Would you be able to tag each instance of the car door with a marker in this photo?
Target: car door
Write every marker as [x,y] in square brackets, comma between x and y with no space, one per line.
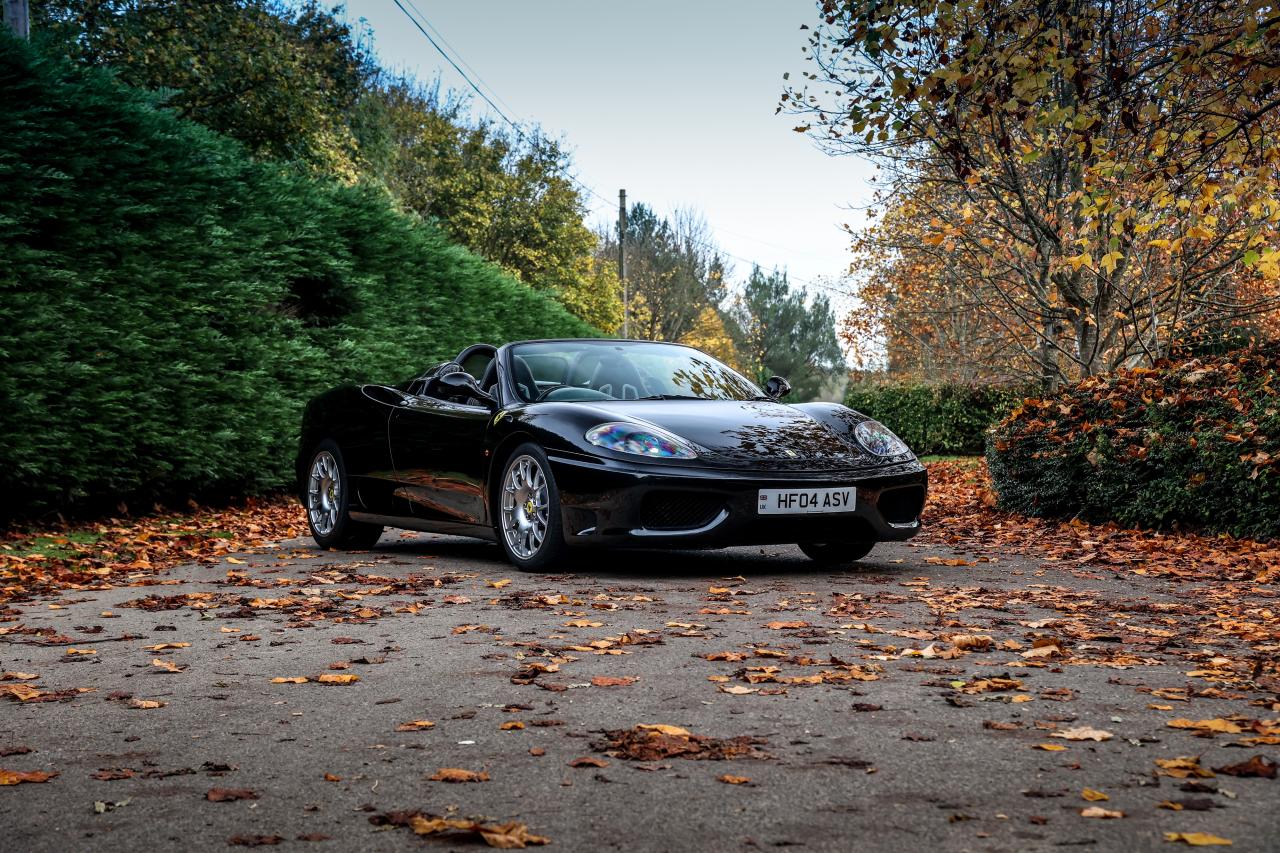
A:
[437,447]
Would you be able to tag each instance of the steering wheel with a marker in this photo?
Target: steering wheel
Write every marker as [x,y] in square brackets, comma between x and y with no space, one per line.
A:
[544,394]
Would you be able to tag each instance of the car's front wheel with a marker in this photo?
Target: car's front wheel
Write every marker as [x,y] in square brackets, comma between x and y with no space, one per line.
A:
[327,497]
[836,552]
[529,525]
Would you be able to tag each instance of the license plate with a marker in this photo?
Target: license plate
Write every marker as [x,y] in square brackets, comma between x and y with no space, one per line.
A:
[804,501]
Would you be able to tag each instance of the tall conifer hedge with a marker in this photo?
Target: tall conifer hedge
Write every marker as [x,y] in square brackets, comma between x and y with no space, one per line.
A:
[168,304]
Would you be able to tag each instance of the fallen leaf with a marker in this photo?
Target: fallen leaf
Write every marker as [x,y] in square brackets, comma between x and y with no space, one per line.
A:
[588,761]
[1258,767]
[611,681]
[145,704]
[782,626]
[1217,726]
[254,840]
[415,726]
[294,679]
[457,774]
[1049,747]
[18,777]
[1182,767]
[499,584]
[229,795]
[159,647]
[1083,733]
[511,725]
[167,665]
[73,652]
[734,780]
[1198,839]
[1099,811]
[21,692]
[334,678]
[1094,796]
[506,836]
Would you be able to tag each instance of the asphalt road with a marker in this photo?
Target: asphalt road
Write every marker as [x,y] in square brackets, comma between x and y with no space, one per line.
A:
[901,745]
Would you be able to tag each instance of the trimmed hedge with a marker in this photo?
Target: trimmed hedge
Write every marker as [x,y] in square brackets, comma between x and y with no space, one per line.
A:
[168,304]
[1195,443]
[936,419]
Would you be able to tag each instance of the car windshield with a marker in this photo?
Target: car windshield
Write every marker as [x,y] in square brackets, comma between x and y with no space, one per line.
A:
[623,370]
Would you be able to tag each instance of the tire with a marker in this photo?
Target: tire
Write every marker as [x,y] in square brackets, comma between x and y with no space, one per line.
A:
[528,522]
[835,553]
[326,496]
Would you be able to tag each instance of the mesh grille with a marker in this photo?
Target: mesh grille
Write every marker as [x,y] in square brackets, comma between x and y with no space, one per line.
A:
[668,510]
[900,506]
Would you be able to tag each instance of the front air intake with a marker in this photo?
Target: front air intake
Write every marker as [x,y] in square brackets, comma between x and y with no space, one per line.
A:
[671,510]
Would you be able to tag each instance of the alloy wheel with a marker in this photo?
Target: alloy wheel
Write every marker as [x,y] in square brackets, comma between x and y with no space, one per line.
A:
[324,493]
[525,504]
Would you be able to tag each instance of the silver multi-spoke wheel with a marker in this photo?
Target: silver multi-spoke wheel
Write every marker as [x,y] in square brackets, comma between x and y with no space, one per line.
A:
[525,506]
[324,493]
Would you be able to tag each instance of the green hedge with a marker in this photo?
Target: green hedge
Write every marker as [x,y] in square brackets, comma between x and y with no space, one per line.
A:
[936,419]
[168,304]
[1194,444]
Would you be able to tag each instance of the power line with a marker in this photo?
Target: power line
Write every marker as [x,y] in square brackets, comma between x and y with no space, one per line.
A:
[520,133]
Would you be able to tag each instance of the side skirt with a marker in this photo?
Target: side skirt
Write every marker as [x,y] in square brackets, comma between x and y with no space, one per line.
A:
[452,528]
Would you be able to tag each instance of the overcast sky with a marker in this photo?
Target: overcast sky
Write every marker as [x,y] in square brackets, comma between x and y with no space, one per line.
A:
[672,99]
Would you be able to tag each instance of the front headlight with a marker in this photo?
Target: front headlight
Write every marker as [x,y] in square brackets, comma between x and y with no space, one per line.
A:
[878,439]
[641,440]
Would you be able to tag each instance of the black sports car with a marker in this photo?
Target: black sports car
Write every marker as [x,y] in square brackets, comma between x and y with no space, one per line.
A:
[547,445]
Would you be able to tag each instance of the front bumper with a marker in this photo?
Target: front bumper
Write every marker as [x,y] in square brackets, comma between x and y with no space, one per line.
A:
[647,505]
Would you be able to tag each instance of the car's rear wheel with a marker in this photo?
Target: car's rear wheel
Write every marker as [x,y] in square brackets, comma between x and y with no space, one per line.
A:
[327,497]
[529,525]
[834,553]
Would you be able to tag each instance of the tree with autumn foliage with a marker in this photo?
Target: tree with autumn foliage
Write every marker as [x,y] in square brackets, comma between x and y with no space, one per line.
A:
[1069,188]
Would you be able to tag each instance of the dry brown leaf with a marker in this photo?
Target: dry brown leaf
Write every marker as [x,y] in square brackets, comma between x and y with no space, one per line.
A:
[18,777]
[1099,811]
[588,761]
[1197,839]
[457,774]
[335,678]
[1217,726]
[1083,733]
[415,726]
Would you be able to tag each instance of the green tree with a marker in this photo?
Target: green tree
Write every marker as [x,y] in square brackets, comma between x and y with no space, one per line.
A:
[674,271]
[783,332]
[286,79]
[168,303]
[505,195]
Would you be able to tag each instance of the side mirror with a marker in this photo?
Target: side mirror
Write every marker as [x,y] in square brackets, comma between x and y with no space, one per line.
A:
[777,387]
[458,387]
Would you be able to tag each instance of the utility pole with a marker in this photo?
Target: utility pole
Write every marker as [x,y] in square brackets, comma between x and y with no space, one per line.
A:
[18,17]
[622,263]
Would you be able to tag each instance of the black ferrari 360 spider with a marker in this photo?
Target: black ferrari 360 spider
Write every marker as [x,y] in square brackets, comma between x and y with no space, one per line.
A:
[550,445]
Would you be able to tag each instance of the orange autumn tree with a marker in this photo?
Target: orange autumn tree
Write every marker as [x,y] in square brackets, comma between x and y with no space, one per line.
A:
[1068,188]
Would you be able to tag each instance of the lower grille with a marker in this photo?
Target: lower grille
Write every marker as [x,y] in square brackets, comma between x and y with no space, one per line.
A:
[668,510]
[902,505]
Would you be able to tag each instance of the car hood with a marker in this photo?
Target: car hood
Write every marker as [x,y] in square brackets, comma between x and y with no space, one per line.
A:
[763,434]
